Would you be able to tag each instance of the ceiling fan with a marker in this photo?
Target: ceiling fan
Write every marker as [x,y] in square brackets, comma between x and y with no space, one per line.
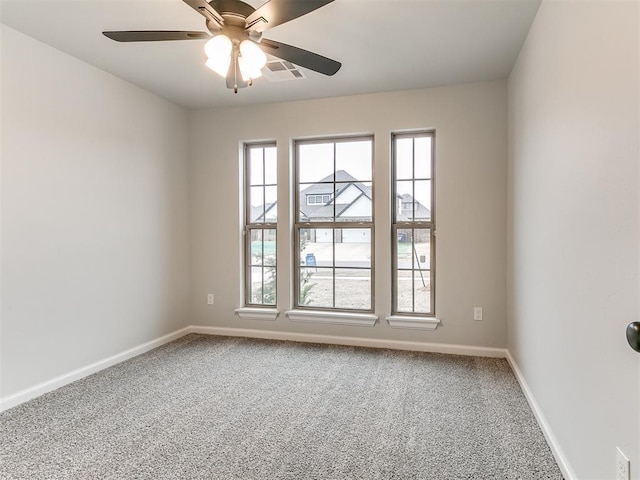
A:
[236,49]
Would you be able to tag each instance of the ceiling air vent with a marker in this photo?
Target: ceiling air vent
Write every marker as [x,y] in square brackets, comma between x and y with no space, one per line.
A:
[281,70]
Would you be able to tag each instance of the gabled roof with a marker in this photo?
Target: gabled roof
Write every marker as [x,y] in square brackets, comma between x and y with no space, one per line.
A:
[325,185]
[256,212]
[420,212]
[325,211]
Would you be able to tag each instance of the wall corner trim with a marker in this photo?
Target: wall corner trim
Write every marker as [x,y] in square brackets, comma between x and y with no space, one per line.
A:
[558,454]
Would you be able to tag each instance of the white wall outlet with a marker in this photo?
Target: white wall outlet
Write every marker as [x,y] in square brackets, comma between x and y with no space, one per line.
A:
[477,313]
[210,299]
[622,466]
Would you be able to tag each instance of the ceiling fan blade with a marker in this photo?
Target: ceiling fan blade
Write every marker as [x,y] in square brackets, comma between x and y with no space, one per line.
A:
[301,57]
[277,12]
[206,10]
[154,35]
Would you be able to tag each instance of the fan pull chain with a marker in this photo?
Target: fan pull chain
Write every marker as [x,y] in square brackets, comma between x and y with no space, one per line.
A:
[235,70]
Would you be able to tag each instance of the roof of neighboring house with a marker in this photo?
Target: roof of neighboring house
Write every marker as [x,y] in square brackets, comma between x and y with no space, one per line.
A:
[256,212]
[324,186]
[322,211]
[421,210]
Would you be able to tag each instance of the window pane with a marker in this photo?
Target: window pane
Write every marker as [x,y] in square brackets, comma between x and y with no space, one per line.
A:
[270,166]
[353,159]
[312,208]
[413,291]
[256,204]
[423,157]
[353,247]
[404,158]
[316,247]
[269,246]
[404,248]
[404,290]
[271,209]
[423,200]
[315,287]
[421,254]
[404,201]
[256,246]
[262,262]
[422,291]
[269,285]
[256,285]
[353,202]
[353,288]
[271,215]
[315,162]
[256,166]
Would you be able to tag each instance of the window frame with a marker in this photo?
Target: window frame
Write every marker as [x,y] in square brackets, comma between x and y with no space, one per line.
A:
[249,225]
[299,224]
[412,224]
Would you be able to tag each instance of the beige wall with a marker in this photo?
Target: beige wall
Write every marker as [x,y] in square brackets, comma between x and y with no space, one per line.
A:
[573,227]
[94,215]
[471,150]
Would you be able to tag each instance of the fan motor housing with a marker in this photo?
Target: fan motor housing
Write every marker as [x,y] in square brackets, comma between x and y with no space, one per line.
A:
[232,8]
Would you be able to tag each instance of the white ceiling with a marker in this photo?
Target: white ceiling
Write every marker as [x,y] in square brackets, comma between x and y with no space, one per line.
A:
[383,45]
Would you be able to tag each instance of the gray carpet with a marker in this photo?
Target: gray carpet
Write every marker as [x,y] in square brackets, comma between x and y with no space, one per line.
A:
[205,407]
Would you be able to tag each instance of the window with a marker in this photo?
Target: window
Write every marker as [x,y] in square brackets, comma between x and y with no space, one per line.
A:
[413,223]
[333,226]
[260,224]
[318,199]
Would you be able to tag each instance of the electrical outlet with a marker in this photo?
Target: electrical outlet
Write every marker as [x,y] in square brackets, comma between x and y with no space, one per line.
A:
[210,299]
[622,466]
[477,313]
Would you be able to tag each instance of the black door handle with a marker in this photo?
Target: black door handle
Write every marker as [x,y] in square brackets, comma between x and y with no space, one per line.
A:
[633,335]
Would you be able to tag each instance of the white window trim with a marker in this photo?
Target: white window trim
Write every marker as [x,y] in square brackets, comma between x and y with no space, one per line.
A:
[248,313]
[415,323]
[332,317]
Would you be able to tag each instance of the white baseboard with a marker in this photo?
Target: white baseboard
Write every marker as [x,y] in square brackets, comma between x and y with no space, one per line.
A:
[57,382]
[354,341]
[65,379]
[561,459]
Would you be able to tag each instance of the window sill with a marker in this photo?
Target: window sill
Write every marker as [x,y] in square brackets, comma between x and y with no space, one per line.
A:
[248,313]
[336,318]
[416,323]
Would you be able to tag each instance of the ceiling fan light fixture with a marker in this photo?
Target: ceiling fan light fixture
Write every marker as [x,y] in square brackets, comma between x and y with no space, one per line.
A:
[235,48]
[218,51]
[251,60]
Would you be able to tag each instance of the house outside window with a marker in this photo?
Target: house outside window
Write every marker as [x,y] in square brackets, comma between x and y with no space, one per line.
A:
[413,228]
[261,215]
[334,232]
